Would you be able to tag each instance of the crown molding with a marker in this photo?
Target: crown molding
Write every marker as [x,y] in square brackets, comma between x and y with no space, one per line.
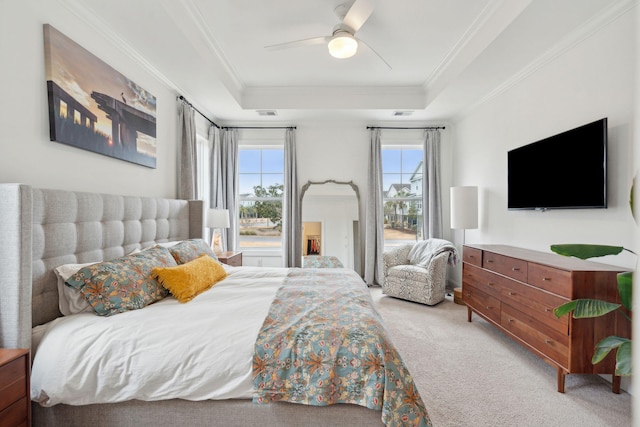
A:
[600,20]
[212,44]
[466,38]
[87,16]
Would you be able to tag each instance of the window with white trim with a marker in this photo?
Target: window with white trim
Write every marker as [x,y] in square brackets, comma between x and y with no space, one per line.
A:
[402,194]
[261,182]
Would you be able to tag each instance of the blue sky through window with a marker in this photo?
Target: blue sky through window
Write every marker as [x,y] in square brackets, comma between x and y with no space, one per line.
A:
[399,165]
[263,167]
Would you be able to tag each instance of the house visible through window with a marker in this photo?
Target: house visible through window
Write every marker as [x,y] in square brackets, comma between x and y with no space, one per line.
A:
[261,181]
[402,187]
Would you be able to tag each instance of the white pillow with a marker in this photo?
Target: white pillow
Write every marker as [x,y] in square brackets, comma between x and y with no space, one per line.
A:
[70,300]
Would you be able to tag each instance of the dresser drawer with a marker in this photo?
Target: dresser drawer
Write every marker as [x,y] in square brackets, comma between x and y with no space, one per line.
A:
[472,255]
[15,414]
[536,304]
[527,329]
[13,384]
[481,302]
[551,279]
[484,280]
[511,267]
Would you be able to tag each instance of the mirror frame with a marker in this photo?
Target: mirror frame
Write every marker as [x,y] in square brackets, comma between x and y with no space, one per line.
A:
[357,245]
[329,181]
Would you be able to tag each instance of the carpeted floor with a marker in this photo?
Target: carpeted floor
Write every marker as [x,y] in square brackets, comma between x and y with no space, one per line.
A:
[470,374]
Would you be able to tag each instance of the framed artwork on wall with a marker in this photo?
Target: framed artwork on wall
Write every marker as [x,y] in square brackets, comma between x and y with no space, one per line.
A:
[94,107]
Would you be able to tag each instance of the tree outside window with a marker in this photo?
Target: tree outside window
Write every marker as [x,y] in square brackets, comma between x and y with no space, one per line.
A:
[402,186]
[261,180]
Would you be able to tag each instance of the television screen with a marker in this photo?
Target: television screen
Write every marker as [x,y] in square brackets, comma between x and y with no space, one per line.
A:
[564,171]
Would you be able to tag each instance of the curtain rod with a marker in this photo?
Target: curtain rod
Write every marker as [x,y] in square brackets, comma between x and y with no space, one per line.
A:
[425,128]
[259,127]
[181,98]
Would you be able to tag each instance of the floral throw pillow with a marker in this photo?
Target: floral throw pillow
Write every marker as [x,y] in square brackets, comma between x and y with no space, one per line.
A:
[188,250]
[123,284]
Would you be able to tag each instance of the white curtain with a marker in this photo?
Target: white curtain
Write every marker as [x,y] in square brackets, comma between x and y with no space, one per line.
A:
[188,173]
[224,181]
[374,231]
[291,222]
[431,194]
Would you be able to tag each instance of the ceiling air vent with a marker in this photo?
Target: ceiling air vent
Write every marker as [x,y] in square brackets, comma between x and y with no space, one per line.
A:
[402,113]
[267,113]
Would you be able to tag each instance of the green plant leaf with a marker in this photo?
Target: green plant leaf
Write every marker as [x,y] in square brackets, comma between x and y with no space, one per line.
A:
[625,288]
[605,346]
[623,353]
[586,251]
[633,184]
[583,308]
[623,359]
[565,308]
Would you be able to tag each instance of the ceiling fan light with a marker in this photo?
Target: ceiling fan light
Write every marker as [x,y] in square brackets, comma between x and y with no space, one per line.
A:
[342,46]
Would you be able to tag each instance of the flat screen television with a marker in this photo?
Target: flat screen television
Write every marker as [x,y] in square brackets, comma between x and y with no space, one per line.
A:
[564,171]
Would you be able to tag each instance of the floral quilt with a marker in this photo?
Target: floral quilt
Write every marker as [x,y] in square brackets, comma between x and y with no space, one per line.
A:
[323,343]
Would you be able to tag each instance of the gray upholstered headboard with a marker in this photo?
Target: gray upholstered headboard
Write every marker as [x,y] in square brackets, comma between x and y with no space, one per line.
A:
[41,229]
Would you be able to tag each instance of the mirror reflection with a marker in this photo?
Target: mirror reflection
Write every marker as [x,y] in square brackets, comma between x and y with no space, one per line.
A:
[330,223]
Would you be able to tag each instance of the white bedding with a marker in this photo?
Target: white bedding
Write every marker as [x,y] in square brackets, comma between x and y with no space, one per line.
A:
[195,351]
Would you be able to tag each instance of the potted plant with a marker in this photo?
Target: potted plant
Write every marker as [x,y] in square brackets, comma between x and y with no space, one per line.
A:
[583,308]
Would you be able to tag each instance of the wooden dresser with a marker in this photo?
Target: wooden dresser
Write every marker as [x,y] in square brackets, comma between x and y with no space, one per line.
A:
[15,400]
[517,289]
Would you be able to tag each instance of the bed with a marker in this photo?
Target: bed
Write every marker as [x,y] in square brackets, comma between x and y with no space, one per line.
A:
[44,229]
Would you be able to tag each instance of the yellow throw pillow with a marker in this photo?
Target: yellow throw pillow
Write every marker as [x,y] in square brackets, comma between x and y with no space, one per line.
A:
[190,279]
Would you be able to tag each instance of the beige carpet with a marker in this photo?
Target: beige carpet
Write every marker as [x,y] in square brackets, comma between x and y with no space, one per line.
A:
[470,374]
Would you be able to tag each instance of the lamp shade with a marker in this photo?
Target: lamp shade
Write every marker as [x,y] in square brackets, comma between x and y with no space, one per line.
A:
[464,207]
[218,218]
[342,45]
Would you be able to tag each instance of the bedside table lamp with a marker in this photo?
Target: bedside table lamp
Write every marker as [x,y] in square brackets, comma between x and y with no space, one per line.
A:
[217,218]
[464,208]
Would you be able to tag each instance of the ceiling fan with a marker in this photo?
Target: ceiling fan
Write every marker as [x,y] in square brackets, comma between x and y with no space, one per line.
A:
[342,42]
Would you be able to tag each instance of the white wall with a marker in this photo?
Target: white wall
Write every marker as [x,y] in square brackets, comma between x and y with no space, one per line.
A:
[593,79]
[27,154]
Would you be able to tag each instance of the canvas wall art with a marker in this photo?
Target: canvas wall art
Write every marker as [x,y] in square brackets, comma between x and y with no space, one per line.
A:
[94,107]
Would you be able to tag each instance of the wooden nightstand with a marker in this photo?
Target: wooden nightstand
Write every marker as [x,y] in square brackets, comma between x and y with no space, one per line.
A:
[15,399]
[230,258]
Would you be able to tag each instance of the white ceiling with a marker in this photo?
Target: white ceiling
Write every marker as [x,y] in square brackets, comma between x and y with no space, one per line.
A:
[447,56]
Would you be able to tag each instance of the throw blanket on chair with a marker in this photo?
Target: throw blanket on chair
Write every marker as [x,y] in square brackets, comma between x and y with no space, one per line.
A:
[323,343]
[425,250]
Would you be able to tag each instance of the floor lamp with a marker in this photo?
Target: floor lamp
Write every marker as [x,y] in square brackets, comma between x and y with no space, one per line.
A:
[464,208]
[217,219]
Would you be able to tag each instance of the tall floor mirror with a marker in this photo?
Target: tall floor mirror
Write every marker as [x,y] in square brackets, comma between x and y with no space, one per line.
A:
[331,221]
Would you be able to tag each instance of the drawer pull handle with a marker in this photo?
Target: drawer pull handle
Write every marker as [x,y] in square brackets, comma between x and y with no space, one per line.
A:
[512,293]
[491,284]
[515,269]
[510,320]
[547,309]
[470,256]
[546,279]
[489,260]
[548,342]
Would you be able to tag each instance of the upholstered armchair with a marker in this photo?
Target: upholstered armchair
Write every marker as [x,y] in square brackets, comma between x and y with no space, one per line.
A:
[418,275]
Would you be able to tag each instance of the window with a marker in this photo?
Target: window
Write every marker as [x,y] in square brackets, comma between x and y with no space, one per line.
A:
[261,181]
[402,195]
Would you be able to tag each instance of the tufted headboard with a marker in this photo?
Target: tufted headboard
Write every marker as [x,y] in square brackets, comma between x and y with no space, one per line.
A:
[41,229]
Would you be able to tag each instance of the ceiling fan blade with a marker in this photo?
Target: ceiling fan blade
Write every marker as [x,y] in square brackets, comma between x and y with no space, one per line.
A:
[299,43]
[358,14]
[374,51]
